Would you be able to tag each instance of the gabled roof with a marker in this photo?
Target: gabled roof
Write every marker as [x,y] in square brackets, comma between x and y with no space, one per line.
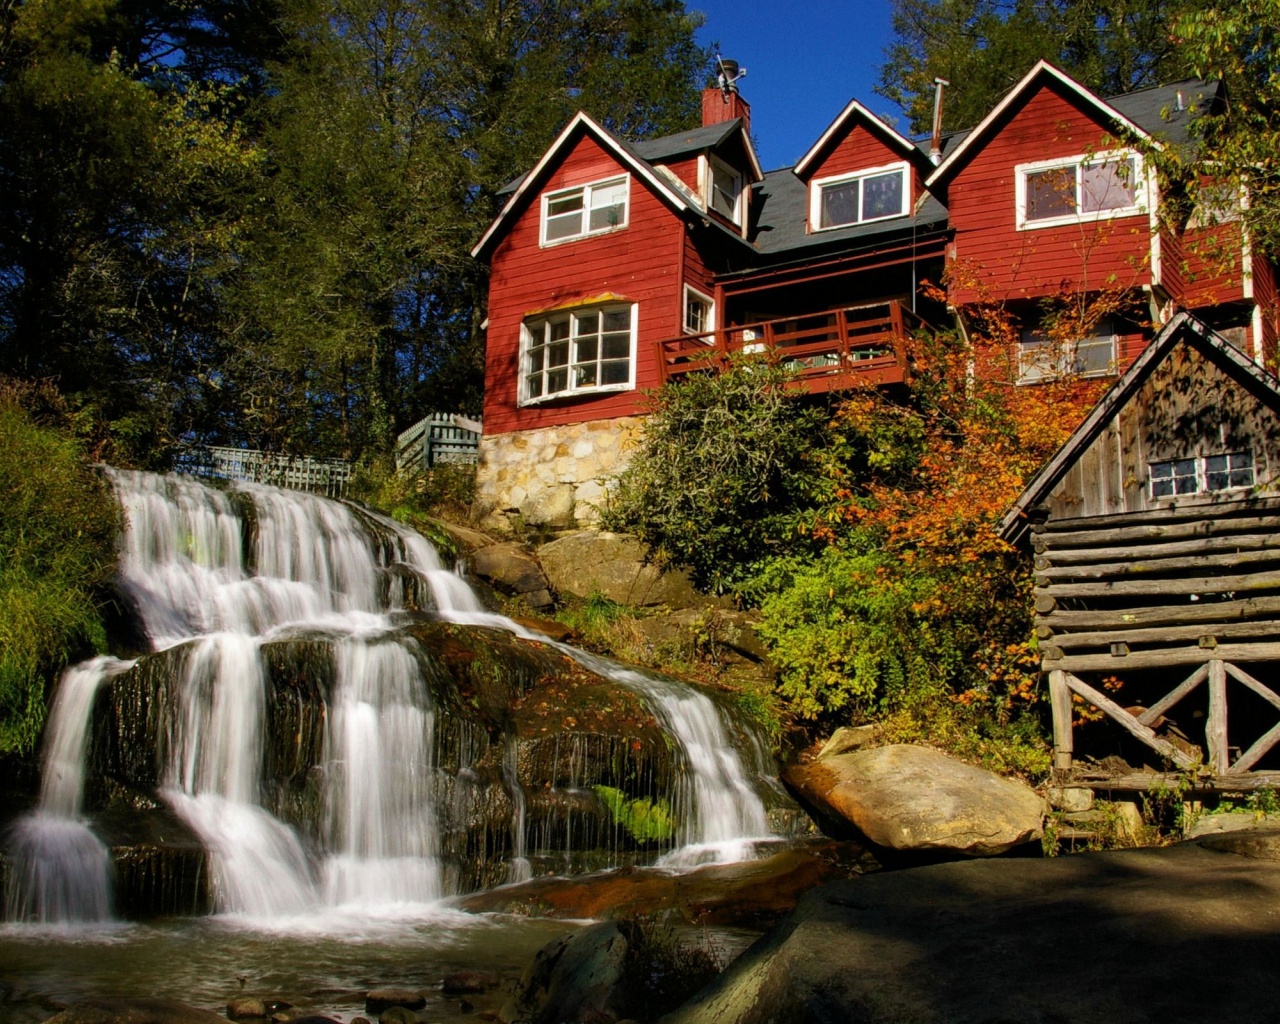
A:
[580,125]
[855,111]
[1182,328]
[695,141]
[1041,73]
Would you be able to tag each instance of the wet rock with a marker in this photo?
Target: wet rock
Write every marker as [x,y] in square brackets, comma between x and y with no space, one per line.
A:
[613,565]
[465,1006]
[460,983]
[397,1015]
[134,1011]
[746,894]
[246,1008]
[303,1018]
[466,538]
[379,999]
[547,627]
[512,570]
[574,979]
[910,798]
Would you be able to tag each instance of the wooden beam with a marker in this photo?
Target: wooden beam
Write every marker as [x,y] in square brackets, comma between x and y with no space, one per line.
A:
[1205,516]
[1171,698]
[1148,567]
[1261,689]
[1119,715]
[1221,631]
[1167,658]
[1060,702]
[1255,753]
[1142,588]
[1140,782]
[1159,615]
[1131,552]
[1216,728]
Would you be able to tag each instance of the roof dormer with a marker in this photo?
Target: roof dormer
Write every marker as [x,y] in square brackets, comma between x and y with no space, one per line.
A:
[860,171]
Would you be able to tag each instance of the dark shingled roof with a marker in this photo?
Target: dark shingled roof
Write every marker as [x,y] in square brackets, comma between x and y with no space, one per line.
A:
[692,141]
[782,200]
[1156,111]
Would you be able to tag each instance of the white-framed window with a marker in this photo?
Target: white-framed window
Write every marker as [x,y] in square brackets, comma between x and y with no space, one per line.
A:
[699,312]
[723,189]
[583,210]
[578,351]
[1201,474]
[877,193]
[1042,358]
[1080,188]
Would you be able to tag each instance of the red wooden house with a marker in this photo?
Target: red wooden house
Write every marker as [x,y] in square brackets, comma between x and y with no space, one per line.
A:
[617,266]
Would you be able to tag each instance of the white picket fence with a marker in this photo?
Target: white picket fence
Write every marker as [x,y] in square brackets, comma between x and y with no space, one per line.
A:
[329,477]
[440,437]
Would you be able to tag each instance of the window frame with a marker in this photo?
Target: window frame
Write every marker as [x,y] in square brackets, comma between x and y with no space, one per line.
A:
[1202,475]
[542,321]
[1067,357]
[1141,189]
[586,189]
[710,326]
[818,184]
[712,163]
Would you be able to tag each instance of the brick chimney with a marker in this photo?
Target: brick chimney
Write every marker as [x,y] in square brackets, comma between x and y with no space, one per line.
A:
[719,105]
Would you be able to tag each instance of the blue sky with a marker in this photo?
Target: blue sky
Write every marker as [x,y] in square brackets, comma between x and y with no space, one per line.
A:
[805,60]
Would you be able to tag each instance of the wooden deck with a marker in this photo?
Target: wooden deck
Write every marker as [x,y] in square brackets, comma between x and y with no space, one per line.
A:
[829,350]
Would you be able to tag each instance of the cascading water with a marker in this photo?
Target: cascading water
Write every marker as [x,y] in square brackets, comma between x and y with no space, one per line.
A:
[63,869]
[315,569]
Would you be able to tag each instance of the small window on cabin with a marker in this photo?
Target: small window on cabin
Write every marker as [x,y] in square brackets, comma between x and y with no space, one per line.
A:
[1053,192]
[725,188]
[585,210]
[699,312]
[857,198]
[578,351]
[1203,474]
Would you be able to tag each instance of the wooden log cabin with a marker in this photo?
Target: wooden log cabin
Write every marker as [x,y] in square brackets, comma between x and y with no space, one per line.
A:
[1157,567]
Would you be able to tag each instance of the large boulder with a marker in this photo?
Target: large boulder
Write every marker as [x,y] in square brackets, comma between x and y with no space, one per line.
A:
[575,979]
[613,565]
[904,797]
[1178,935]
[512,570]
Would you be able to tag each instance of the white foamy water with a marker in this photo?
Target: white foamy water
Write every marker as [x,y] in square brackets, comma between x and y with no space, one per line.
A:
[314,566]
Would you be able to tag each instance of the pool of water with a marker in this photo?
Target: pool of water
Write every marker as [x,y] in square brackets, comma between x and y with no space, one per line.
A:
[319,964]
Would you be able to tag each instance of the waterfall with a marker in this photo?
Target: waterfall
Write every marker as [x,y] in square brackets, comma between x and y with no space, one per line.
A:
[62,870]
[215,575]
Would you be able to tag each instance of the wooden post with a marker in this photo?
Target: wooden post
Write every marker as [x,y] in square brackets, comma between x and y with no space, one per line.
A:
[1060,702]
[1216,727]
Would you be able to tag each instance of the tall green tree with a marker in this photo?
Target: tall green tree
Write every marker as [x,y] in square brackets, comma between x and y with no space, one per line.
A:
[983,47]
[392,126]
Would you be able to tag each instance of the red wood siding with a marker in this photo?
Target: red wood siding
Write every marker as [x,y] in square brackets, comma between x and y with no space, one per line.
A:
[1265,295]
[995,260]
[1212,266]
[640,263]
[855,148]
[686,169]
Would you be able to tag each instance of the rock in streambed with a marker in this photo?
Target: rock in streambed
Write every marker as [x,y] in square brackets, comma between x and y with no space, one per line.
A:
[909,798]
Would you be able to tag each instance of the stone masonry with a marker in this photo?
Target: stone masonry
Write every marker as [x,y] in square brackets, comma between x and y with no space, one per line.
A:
[553,476]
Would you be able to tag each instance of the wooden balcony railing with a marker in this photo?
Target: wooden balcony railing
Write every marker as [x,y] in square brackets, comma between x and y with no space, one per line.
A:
[828,351]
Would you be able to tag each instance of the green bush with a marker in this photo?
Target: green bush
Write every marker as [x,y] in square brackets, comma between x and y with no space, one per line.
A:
[58,522]
[726,473]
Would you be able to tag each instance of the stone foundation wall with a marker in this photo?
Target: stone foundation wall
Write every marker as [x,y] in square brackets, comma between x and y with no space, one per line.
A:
[554,476]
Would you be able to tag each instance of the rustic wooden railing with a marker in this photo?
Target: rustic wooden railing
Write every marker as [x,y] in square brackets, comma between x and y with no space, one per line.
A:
[828,350]
[1183,595]
[329,477]
[439,437]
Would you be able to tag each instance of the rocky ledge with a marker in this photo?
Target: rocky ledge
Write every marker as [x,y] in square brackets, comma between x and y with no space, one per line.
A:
[1185,933]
